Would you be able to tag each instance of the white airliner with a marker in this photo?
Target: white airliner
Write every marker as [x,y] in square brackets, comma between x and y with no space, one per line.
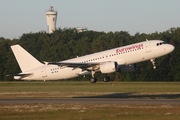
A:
[113,60]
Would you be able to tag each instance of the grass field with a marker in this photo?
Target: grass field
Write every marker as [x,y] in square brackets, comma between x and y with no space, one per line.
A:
[88,112]
[86,89]
[143,90]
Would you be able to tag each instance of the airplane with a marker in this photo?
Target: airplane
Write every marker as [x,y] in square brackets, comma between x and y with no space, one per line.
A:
[123,59]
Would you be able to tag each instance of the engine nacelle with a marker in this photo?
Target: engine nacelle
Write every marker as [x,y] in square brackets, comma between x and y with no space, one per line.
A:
[128,68]
[109,67]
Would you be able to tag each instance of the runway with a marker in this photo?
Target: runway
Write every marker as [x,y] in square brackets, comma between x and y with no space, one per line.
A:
[88,101]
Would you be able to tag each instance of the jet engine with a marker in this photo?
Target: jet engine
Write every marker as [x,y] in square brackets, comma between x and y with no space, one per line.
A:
[128,68]
[109,67]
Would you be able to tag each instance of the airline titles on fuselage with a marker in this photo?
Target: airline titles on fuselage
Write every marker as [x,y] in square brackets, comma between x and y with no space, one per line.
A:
[130,48]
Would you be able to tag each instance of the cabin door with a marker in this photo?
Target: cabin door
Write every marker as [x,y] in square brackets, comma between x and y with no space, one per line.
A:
[43,70]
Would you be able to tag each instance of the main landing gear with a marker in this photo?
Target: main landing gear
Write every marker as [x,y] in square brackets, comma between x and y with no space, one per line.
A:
[94,80]
[105,79]
[153,63]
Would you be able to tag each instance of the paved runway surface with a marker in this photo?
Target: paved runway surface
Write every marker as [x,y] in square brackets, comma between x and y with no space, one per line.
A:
[87,101]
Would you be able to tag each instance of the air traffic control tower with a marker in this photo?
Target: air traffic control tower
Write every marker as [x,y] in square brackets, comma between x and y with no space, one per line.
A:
[51,17]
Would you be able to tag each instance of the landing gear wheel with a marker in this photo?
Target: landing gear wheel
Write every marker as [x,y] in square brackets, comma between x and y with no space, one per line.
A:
[93,80]
[106,79]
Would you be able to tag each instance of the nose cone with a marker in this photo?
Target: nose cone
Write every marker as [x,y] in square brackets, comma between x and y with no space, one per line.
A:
[171,48]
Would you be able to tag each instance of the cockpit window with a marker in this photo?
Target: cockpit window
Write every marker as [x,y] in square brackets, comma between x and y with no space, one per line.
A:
[161,43]
[164,42]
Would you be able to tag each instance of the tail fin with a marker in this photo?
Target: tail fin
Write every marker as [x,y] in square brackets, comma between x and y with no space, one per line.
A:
[25,60]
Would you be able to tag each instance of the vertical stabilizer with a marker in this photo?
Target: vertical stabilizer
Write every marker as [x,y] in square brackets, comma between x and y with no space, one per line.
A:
[25,60]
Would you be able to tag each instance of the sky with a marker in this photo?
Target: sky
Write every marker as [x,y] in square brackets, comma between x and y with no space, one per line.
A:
[143,16]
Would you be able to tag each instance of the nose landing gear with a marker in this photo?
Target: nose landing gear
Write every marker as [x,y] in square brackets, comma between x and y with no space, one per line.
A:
[153,63]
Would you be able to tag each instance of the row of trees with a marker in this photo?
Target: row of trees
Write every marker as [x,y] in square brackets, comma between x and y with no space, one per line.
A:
[68,43]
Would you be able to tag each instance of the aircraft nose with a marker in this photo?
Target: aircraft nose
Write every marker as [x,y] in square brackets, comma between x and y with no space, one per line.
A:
[171,48]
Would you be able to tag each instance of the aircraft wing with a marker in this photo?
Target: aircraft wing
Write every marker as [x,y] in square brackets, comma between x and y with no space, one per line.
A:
[85,66]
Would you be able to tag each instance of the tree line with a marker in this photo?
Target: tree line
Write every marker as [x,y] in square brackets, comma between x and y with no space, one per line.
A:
[67,43]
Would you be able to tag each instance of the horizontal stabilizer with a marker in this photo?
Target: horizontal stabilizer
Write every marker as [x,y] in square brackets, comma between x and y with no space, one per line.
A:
[21,75]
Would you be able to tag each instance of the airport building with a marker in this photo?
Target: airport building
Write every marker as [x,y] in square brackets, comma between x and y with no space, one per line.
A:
[81,29]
